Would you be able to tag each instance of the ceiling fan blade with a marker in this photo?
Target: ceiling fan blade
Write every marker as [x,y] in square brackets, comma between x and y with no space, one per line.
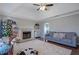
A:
[49,5]
[36,4]
[38,9]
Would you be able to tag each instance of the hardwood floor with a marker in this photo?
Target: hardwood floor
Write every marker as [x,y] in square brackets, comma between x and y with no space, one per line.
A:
[75,51]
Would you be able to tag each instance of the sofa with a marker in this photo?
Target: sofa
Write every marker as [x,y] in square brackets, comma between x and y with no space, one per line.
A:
[66,38]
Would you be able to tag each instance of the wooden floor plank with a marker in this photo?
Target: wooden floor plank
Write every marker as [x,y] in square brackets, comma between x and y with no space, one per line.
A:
[75,51]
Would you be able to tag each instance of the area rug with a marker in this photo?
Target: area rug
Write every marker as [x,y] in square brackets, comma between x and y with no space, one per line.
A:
[43,48]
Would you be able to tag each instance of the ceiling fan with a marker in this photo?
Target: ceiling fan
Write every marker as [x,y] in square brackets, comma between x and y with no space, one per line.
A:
[43,6]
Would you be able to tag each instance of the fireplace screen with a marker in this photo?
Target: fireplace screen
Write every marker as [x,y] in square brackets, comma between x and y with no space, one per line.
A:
[26,35]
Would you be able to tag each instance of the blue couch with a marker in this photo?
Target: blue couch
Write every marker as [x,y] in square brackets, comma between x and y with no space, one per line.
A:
[66,38]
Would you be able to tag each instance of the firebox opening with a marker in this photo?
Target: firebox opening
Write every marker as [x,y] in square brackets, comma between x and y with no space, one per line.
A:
[26,35]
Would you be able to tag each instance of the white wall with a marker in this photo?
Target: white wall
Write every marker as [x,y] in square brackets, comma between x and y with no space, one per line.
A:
[41,28]
[26,25]
[64,24]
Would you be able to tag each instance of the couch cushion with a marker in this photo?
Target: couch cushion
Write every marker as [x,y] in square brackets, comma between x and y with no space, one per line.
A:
[56,35]
[67,41]
[61,35]
[70,35]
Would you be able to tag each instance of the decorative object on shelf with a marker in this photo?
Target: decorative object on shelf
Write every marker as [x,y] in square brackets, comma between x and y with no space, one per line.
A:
[36,26]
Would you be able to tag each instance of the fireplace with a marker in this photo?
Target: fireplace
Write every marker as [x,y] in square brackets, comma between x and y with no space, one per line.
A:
[26,34]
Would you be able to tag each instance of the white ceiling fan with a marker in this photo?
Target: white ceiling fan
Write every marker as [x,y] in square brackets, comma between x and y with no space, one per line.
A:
[43,6]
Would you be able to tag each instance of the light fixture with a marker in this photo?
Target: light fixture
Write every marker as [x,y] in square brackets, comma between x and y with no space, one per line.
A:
[43,8]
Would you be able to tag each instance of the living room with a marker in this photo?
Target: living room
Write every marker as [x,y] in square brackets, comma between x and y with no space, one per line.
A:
[39,28]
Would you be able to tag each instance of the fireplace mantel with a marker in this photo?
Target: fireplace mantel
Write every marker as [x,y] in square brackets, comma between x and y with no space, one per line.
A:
[20,35]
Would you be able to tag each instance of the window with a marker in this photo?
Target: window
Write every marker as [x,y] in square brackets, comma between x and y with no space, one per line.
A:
[46,28]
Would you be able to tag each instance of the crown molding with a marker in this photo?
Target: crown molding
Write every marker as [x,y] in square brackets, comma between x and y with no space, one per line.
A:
[63,15]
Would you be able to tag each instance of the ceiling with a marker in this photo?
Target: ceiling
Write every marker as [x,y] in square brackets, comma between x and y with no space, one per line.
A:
[28,10]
